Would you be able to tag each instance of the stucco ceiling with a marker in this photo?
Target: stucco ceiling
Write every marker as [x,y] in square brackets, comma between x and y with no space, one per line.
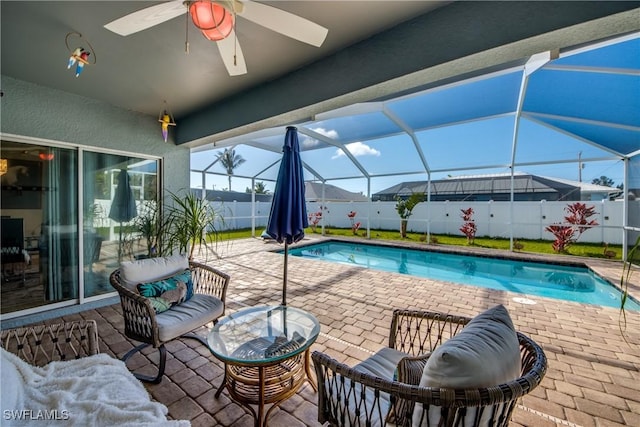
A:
[374,49]
[140,71]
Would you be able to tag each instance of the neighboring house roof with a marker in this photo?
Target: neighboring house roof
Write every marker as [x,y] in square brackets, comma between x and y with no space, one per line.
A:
[586,186]
[230,196]
[313,192]
[461,187]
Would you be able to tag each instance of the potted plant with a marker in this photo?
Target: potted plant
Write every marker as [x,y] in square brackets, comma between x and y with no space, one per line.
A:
[189,222]
[148,223]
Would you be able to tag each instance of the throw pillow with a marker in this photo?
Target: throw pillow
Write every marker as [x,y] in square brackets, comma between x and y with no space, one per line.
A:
[151,269]
[485,353]
[167,292]
[160,304]
[409,371]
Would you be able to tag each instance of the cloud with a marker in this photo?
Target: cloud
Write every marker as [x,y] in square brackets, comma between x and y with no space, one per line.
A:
[357,149]
[333,134]
[308,142]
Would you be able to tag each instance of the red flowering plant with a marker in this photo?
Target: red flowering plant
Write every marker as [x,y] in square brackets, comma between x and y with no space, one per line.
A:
[576,223]
[314,220]
[355,226]
[469,227]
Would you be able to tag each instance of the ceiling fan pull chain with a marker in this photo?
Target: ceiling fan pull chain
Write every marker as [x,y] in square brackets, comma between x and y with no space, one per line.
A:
[235,38]
[186,38]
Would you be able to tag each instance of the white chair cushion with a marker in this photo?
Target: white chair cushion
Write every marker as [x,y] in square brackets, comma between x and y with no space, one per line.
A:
[191,314]
[382,364]
[484,354]
[150,269]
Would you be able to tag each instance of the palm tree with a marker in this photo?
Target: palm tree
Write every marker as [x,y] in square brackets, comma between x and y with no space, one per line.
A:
[260,188]
[230,160]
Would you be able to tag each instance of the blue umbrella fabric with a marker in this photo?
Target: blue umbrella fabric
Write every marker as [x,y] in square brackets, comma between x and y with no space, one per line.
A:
[123,205]
[288,217]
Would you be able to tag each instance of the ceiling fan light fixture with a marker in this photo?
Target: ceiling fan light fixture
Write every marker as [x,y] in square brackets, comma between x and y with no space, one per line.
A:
[215,22]
[222,31]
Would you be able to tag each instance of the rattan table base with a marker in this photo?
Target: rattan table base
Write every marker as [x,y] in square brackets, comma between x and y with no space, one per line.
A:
[266,384]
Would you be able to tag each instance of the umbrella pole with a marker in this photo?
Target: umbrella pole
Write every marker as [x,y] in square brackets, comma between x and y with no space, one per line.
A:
[284,280]
[120,244]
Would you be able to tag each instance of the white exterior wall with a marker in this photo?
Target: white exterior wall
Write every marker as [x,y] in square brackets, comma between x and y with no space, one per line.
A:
[492,218]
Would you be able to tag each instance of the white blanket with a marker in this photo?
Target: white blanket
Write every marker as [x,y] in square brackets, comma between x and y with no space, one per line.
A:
[92,391]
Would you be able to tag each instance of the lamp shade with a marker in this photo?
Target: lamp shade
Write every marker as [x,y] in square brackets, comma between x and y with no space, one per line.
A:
[215,21]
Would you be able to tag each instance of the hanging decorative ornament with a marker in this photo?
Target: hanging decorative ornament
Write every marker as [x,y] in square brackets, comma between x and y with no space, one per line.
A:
[79,56]
[166,119]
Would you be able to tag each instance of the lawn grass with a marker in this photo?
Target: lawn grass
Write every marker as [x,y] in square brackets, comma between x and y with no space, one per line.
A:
[235,234]
[594,250]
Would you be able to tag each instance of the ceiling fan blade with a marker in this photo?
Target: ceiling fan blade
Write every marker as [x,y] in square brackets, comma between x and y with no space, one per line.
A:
[286,23]
[232,55]
[146,18]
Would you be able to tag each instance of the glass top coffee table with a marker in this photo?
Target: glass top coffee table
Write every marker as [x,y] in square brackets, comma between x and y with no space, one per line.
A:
[266,355]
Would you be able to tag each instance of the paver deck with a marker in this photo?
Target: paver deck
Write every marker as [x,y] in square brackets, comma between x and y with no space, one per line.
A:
[593,377]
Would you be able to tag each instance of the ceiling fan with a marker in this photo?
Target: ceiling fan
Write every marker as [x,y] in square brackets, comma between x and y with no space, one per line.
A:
[216,20]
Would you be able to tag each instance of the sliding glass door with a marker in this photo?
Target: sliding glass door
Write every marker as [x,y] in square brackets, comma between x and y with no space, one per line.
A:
[117,191]
[39,226]
[64,231]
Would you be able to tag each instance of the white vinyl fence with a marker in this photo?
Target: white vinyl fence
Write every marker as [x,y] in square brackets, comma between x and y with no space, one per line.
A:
[493,219]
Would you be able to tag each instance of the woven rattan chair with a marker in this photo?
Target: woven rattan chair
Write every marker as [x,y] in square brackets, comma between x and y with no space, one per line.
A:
[41,344]
[141,323]
[350,397]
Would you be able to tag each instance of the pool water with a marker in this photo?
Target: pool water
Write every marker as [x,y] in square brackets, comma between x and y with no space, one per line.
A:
[570,283]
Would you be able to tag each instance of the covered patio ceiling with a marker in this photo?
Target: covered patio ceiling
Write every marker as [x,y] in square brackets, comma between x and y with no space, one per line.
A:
[545,109]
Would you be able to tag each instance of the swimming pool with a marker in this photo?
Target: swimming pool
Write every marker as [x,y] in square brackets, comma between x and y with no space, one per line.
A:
[565,282]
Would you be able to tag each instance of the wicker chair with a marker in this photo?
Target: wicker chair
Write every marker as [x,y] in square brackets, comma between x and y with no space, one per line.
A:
[141,323]
[41,344]
[351,397]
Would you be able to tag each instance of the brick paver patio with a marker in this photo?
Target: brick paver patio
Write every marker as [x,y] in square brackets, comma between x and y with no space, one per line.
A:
[593,378]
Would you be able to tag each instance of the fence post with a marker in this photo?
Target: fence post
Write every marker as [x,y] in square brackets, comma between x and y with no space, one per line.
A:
[541,217]
[235,214]
[489,216]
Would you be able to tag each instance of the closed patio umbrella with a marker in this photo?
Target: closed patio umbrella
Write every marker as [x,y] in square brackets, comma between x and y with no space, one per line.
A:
[123,205]
[288,217]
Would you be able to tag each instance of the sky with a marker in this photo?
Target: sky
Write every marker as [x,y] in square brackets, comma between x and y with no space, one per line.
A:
[462,128]
[464,148]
